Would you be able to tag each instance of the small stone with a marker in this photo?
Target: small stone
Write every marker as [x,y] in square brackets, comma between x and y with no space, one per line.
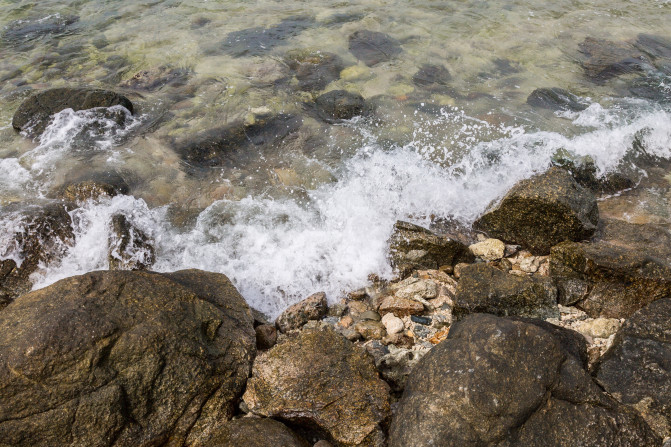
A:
[392,323]
[337,310]
[399,340]
[511,250]
[357,295]
[439,336]
[599,327]
[346,321]
[266,336]
[313,307]
[489,249]
[415,289]
[421,320]
[400,306]
[370,330]
[356,308]
[370,315]
[529,265]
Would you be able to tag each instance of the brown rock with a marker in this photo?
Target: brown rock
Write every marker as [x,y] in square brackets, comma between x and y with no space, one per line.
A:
[129,247]
[252,432]
[370,330]
[401,307]
[313,307]
[266,336]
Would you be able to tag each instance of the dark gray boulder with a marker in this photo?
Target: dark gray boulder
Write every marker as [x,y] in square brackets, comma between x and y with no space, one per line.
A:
[373,47]
[483,288]
[314,70]
[654,46]
[509,382]
[252,432]
[606,59]
[626,267]
[541,212]
[259,41]
[34,114]
[636,369]
[432,77]
[324,386]
[124,359]
[556,99]
[414,247]
[340,105]
[22,32]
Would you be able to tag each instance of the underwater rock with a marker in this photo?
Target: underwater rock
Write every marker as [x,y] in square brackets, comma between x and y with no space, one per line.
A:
[34,114]
[541,212]
[626,267]
[432,77]
[504,382]
[373,47]
[93,186]
[607,59]
[26,30]
[314,70]
[259,41]
[583,170]
[655,88]
[321,383]
[340,104]
[555,99]
[123,358]
[129,247]
[654,46]
[157,78]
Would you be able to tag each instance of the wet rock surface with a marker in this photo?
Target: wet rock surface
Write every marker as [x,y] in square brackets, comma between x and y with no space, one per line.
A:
[129,247]
[313,307]
[258,41]
[23,32]
[321,384]
[606,59]
[156,78]
[413,247]
[128,358]
[486,289]
[541,212]
[626,267]
[314,70]
[340,105]
[432,77]
[505,382]
[34,114]
[636,370]
[373,47]
[93,186]
[252,432]
[556,99]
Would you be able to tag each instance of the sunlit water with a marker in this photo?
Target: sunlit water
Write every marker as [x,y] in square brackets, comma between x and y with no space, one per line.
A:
[315,212]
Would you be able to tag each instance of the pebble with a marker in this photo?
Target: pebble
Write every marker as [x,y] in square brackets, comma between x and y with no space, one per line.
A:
[370,315]
[370,330]
[421,320]
[392,323]
[489,249]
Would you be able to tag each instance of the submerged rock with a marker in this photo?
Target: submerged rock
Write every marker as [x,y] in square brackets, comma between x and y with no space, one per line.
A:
[129,247]
[607,59]
[583,170]
[34,114]
[507,382]
[373,47]
[124,359]
[432,77]
[313,307]
[42,235]
[636,370]
[157,78]
[542,211]
[556,99]
[236,141]
[340,104]
[483,288]
[252,432]
[314,70]
[259,41]
[26,30]
[655,88]
[654,46]
[93,187]
[321,384]
[414,247]
[626,267]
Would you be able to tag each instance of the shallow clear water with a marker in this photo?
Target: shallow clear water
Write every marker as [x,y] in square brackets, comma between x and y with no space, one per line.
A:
[314,211]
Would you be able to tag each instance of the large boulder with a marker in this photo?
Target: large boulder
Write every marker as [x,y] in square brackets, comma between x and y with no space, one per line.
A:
[542,211]
[510,382]
[483,288]
[252,432]
[324,385]
[636,369]
[123,359]
[626,267]
[41,235]
[415,247]
[92,186]
[34,114]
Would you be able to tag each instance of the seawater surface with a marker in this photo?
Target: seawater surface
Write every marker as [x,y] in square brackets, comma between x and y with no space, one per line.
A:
[313,211]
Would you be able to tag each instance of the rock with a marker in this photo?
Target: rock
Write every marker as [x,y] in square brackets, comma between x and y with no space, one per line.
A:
[370,315]
[93,187]
[432,77]
[392,323]
[340,104]
[129,247]
[654,46]
[157,78]
[252,432]
[541,212]
[483,288]
[123,358]
[636,370]
[42,236]
[505,382]
[258,41]
[413,247]
[415,289]
[599,327]
[321,383]
[607,59]
[373,47]
[236,142]
[556,99]
[34,114]
[313,307]
[571,291]
[323,443]
[395,366]
[583,170]
[626,267]
[266,336]
[489,249]
[26,30]
[370,330]
[654,88]
[314,70]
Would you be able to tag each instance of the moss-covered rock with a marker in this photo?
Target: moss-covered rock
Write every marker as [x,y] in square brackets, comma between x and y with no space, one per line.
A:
[124,359]
[542,211]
